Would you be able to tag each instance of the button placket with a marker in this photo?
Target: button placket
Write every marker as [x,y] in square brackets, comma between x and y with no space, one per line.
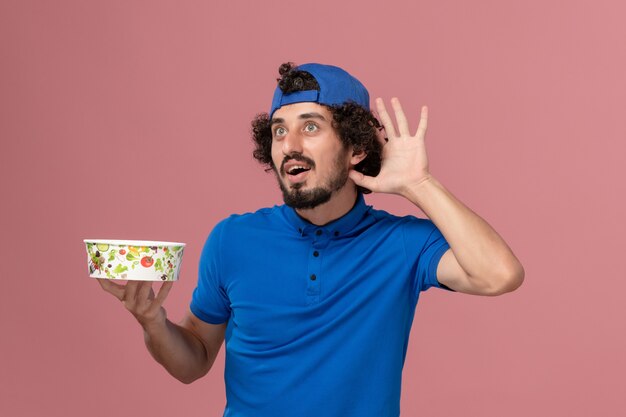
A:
[314,273]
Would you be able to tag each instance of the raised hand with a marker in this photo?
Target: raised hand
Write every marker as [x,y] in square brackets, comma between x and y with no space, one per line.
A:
[139,298]
[404,160]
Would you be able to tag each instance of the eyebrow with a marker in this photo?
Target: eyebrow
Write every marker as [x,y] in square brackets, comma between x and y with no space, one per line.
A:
[311,115]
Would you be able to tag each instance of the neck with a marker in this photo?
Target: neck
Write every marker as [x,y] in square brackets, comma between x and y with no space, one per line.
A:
[339,204]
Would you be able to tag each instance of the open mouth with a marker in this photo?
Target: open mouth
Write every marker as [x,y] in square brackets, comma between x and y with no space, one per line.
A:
[297,171]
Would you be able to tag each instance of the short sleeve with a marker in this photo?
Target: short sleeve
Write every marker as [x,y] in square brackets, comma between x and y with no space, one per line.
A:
[209,301]
[425,245]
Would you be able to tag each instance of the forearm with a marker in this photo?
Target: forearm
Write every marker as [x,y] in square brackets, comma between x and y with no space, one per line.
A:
[478,248]
[180,352]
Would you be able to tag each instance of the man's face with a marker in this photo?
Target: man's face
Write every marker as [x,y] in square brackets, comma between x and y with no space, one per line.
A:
[310,160]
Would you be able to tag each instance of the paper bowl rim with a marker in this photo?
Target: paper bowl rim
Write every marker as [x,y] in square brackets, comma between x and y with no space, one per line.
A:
[133,242]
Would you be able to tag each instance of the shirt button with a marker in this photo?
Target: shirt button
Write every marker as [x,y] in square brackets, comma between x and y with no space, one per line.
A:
[319,232]
[316,254]
[313,277]
[336,233]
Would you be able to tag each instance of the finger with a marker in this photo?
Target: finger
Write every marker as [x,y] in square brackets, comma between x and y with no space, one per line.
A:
[112,288]
[403,124]
[384,117]
[423,125]
[162,295]
[131,292]
[363,180]
[163,292]
[144,292]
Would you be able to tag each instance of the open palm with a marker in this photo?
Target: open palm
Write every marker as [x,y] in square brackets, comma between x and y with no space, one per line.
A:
[404,159]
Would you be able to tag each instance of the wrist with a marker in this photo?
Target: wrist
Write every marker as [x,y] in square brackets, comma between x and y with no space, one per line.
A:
[418,192]
[155,324]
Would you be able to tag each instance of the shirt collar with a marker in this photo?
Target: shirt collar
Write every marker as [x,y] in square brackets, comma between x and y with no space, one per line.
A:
[338,227]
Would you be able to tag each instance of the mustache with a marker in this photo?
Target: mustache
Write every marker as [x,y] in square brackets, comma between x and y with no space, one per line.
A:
[296,157]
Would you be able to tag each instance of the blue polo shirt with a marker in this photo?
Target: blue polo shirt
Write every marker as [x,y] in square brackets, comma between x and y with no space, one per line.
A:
[319,316]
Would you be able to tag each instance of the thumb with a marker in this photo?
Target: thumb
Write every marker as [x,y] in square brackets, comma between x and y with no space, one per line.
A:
[363,180]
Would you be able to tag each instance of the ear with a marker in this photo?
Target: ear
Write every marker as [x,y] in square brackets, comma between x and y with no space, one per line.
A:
[357,156]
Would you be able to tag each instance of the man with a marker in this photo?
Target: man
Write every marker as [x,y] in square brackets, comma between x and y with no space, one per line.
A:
[316,298]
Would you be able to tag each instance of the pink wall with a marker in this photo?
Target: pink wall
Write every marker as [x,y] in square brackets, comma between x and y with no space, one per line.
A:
[129,119]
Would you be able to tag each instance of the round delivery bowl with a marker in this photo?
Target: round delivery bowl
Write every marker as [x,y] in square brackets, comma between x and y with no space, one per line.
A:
[134,260]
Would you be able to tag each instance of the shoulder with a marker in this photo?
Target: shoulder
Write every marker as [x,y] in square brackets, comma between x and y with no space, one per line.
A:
[236,224]
[259,217]
[384,218]
[237,229]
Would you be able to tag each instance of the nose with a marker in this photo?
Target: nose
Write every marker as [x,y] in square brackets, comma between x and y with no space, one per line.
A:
[292,143]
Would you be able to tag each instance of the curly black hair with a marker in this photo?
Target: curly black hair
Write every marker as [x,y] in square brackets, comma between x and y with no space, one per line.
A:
[355,125]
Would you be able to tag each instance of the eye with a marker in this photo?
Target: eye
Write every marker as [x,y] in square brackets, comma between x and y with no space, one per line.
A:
[279,131]
[311,127]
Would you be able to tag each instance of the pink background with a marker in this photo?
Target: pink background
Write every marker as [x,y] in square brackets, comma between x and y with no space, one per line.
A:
[130,119]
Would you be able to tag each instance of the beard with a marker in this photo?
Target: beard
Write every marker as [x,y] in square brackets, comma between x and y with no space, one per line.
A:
[298,198]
